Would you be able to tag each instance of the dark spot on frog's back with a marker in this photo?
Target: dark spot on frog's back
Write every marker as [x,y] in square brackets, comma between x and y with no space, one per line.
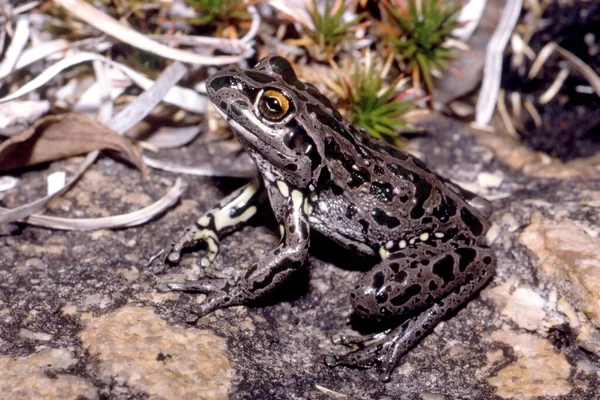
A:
[382,191]
[324,176]
[422,188]
[444,268]
[332,149]
[471,221]
[445,209]
[408,294]
[384,219]
[358,175]
[467,256]
[223,106]
[378,280]
[351,211]
[337,190]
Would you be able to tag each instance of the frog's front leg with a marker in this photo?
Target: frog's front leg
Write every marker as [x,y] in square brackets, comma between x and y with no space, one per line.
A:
[228,215]
[423,282]
[261,278]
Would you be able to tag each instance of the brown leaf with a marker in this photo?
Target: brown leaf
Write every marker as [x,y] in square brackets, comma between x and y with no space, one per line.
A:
[61,136]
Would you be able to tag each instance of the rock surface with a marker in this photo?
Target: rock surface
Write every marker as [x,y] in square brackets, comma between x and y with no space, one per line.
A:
[80,316]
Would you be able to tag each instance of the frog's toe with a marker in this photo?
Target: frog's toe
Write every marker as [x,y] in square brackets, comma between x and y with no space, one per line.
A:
[366,357]
[206,286]
[215,301]
[357,340]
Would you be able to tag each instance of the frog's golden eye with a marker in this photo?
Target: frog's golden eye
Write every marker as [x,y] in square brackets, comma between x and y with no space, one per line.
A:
[273,105]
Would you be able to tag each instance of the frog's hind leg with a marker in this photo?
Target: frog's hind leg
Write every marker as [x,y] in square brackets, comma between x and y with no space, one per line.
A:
[422,282]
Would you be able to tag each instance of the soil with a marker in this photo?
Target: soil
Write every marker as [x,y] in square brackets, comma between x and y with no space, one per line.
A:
[571,122]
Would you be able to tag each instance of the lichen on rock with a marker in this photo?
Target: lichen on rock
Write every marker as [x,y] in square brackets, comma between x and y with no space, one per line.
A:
[136,347]
[28,377]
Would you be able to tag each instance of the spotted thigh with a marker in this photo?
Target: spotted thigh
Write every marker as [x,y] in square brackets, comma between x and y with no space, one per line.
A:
[419,276]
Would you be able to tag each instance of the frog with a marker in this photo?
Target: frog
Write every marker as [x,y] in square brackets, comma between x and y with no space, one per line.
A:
[318,172]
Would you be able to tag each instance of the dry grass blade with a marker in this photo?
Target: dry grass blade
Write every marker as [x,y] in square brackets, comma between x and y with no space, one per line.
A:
[184,98]
[62,136]
[118,221]
[110,26]
[469,18]
[22,212]
[589,74]
[208,170]
[172,137]
[146,102]
[554,88]
[493,62]
[157,91]
[12,54]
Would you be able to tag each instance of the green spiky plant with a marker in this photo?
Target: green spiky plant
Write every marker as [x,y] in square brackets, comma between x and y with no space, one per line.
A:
[370,102]
[418,30]
[375,107]
[329,29]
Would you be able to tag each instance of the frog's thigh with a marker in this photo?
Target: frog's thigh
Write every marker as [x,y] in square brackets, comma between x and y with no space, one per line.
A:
[417,277]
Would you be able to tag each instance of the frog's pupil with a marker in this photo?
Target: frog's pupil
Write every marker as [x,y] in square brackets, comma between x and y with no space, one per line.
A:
[273,105]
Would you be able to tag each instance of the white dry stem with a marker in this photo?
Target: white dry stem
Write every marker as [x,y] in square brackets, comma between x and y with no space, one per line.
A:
[128,117]
[587,72]
[168,137]
[515,103]
[242,46]
[535,115]
[554,87]
[207,170]
[17,44]
[114,28]
[135,218]
[492,70]
[510,128]
[469,18]
[186,99]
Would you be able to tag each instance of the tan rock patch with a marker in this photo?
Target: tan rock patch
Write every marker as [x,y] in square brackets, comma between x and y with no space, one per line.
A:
[539,371]
[569,254]
[138,348]
[521,304]
[25,378]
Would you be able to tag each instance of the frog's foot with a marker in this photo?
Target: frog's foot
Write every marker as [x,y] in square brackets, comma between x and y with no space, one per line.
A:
[379,349]
[192,235]
[219,293]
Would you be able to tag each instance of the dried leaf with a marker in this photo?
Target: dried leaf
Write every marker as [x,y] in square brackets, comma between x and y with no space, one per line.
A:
[61,136]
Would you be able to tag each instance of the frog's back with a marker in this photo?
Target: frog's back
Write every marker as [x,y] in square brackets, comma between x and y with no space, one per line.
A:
[388,195]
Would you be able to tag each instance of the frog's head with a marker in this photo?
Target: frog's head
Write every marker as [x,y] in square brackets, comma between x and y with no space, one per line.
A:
[272,113]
